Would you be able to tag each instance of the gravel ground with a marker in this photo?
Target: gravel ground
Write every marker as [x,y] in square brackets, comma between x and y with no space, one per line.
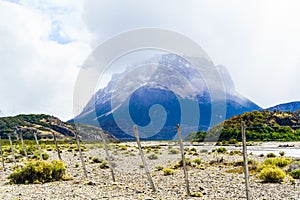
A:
[131,181]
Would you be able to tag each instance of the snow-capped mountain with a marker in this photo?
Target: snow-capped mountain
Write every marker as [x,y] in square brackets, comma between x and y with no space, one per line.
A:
[187,95]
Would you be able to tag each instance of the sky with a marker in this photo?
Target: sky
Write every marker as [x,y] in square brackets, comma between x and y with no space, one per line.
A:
[43,43]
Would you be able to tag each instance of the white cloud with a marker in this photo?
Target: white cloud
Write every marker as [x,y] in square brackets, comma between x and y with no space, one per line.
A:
[257,40]
[43,41]
[38,74]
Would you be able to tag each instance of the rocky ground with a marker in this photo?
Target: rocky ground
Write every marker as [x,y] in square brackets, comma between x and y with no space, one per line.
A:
[212,180]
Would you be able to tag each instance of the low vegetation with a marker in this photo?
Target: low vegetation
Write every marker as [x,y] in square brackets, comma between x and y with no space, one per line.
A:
[261,126]
[279,161]
[38,172]
[153,157]
[295,173]
[272,174]
[220,150]
[168,171]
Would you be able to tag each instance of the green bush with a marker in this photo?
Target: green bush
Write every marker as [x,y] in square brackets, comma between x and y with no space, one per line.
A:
[123,147]
[153,157]
[142,166]
[173,151]
[198,161]
[36,156]
[179,164]
[31,149]
[233,141]
[45,156]
[271,155]
[193,149]
[272,174]
[104,164]
[235,152]
[220,150]
[159,167]
[96,160]
[38,172]
[295,173]
[279,161]
[196,194]
[241,162]
[281,153]
[168,171]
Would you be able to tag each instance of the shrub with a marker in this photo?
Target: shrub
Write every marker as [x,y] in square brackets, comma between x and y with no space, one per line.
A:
[142,166]
[193,149]
[180,163]
[37,156]
[49,149]
[173,151]
[281,153]
[271,155]
[295,173]
[153,157]
[279,161]
[272,174]
[31,149]
[241,162]
[123,147]
[203,151]
[58,169]
[96,160]
[104,164]
[38,172]
[159,167]
[220,150]
[196,194]
[224,142]
[168,171]
[198,161]
[233,141]
[45,156]
[235,152]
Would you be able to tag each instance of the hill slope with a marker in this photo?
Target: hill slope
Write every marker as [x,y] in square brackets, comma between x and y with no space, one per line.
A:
[260,126]
[45,125]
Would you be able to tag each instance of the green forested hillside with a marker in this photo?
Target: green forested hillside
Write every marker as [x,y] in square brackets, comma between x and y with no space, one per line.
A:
[45,125]
[260,126]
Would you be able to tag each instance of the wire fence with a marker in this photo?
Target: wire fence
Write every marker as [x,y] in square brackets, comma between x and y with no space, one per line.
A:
[77,141]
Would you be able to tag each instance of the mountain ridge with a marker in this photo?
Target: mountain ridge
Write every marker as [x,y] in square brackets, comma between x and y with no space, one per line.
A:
[289,106]
[45,125]
[177,82]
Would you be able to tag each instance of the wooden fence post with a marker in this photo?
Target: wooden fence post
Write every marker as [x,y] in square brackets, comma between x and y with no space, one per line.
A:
[183,161]
[2,157]
[38,145]
[12,148]
[23,145]
[80,154]
[245,161]
[107,155]
[56,146]
[136,133]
